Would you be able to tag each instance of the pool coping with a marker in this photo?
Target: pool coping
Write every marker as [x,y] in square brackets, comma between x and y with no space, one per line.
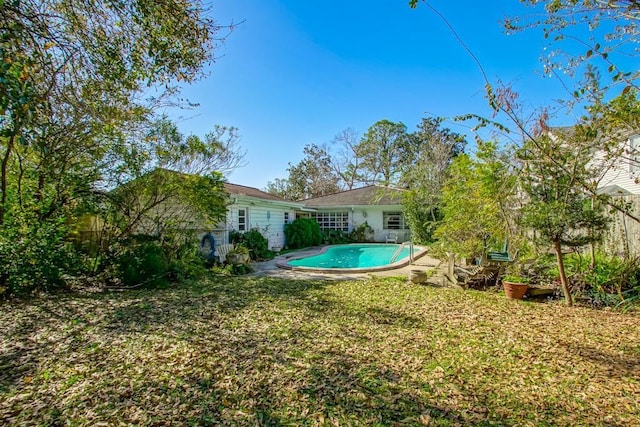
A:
[419,251]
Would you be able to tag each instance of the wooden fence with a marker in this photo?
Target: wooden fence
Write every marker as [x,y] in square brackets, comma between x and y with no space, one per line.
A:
[623,237]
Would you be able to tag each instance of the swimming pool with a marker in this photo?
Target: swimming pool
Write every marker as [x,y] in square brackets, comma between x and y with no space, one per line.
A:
[354,258]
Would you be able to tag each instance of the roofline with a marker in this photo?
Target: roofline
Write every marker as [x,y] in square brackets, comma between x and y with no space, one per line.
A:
[237,197]
[386,187]
[350,206]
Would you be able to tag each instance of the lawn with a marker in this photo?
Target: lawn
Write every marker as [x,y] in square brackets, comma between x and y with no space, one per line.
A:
[251,351]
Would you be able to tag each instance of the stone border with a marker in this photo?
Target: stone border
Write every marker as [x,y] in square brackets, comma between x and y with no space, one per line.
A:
[419,252]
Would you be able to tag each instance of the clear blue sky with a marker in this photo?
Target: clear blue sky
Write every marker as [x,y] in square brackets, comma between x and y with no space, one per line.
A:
[300,71]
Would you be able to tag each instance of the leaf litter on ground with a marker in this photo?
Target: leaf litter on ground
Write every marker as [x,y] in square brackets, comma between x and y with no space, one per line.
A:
[260,351]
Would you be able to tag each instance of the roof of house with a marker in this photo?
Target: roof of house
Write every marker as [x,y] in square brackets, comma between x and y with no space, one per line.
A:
[370,195]
[241,190]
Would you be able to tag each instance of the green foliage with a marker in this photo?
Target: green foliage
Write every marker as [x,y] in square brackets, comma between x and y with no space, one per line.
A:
[611,281]
[426,164]
[313,176]
[516,279]
[35,257]
[232,270]
[75,123]
[239,249]
[594,39]
[335,237]
[142,262]
[382,149]
[362,233]
[302,233]
[558,207]
[421,217]
[185,261]
[254,241]
[477,201]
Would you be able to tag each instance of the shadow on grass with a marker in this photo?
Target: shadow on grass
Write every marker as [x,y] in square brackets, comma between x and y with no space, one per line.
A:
[207,362]
[29,337]
[613,363]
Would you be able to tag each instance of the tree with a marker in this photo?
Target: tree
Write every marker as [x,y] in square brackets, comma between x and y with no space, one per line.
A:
[76,115]
[478,201]
[425,165]
[313,176]
[279,187]
[589,37]
[558,207]
[179,180]
[382,149]
[347,160]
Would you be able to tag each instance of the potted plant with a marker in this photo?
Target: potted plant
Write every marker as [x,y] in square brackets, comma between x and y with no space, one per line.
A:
[515,286]
[238,255]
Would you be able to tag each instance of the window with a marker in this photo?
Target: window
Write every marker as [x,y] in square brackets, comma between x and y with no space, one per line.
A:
[332,220]
[393,221]
[242,220]
[286,217]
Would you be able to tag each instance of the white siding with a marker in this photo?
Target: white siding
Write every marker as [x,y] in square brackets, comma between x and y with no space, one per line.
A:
[268,219]
[618,172]
[372,215]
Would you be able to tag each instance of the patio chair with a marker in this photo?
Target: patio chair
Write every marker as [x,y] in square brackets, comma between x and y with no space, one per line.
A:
[392,237]
[502,255]
[476,276]
[223,250]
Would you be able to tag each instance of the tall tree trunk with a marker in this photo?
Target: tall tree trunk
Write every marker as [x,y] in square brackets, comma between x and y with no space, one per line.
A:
[563,275]
[3,178]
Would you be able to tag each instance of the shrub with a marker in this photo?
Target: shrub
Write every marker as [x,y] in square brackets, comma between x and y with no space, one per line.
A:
[335,237]
[302,233]
[613,281]
[362,233]
[142,262]
[257,244]
[35,257]
[186,262]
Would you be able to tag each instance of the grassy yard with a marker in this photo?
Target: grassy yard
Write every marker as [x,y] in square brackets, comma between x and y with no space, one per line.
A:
[247,351]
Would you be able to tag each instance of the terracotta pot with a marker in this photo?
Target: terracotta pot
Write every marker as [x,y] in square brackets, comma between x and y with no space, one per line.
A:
[514,290]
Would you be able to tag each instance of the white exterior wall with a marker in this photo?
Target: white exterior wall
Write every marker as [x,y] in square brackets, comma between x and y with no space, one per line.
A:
[374,219]
[268,219]
[372,215]
[620,171]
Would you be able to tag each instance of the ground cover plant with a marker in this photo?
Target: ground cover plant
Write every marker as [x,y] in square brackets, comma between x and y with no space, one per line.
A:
[262,351]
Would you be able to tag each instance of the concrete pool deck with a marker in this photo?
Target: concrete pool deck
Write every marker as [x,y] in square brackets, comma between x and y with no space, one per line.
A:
[271,269]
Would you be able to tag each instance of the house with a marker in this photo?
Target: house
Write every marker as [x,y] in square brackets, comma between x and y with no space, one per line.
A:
[617,169]
[621,175]
[380,207]
[252,208]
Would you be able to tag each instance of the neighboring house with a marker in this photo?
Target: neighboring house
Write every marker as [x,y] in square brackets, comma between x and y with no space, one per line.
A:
[380,207]
[251,208]
[619,169]
[622,175]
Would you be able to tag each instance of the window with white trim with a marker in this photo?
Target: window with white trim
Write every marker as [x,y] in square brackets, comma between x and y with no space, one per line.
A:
[243,219]
[286,217]
[393,221]
[332,220]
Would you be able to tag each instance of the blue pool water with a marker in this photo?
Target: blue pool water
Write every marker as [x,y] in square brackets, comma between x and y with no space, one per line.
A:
[353,256]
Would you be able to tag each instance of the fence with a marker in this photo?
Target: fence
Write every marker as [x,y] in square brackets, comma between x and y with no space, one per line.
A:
[623,237]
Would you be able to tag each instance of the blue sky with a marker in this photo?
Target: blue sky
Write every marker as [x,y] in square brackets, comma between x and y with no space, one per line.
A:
[300,71]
